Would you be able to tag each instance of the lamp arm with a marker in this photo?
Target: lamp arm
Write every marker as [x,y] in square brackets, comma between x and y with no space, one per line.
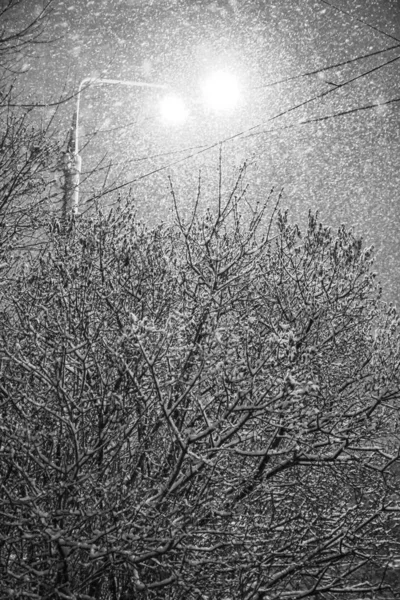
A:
[74,162]
[87,81]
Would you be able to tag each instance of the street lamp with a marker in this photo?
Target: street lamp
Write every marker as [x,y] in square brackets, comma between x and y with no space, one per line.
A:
[173,110]
[221,91]
[73,163]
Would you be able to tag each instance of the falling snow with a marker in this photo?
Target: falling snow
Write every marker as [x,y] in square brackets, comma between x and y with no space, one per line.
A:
[290,125]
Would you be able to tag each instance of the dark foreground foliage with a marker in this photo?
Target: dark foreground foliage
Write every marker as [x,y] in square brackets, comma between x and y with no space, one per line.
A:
[206,410]
[30,154]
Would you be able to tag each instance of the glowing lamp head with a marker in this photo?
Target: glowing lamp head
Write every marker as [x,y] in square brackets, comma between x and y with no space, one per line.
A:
[173,110]
[221,91]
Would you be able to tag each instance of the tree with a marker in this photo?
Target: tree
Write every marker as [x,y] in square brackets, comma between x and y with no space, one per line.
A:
[29,152]
[18,43]
[198,411]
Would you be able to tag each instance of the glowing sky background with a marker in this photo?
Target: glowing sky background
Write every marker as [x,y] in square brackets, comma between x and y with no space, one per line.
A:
[314,135]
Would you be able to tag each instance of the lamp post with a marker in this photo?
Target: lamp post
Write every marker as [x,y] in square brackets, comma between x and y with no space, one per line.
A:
[73,160]
[220,91]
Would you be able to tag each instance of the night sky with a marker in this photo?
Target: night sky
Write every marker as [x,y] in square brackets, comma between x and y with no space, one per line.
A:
[290,125]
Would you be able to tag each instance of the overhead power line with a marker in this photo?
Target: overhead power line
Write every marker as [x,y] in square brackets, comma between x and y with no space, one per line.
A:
[341,113]
[344,12]
[251,131]
[247,132]
[321,95]
[73,95]
[323,69]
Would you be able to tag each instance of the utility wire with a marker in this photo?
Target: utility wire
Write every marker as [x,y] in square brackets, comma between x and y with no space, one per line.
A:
[322,69]
[300,105]
[73,95]
[245,133]
[344,12]
[325,117]
[124,163]
[202,146]
[281,128]
[249,132]
[322,94]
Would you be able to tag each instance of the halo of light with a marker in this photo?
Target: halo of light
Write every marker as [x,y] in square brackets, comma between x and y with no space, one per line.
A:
[173,110]
[221,91]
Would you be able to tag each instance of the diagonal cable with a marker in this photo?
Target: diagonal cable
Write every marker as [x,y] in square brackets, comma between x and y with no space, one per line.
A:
[344,12]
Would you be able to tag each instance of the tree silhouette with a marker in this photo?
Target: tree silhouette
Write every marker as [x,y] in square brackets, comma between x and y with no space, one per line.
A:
[29,153]
[202,410]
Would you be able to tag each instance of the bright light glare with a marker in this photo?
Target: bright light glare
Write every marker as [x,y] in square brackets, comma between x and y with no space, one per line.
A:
[221,91]
[173,110]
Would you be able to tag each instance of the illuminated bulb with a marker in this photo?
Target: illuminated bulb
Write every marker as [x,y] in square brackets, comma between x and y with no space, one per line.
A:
[221,91]
[173,110]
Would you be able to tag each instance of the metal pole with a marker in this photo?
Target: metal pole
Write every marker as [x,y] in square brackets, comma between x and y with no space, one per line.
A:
[73,161]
